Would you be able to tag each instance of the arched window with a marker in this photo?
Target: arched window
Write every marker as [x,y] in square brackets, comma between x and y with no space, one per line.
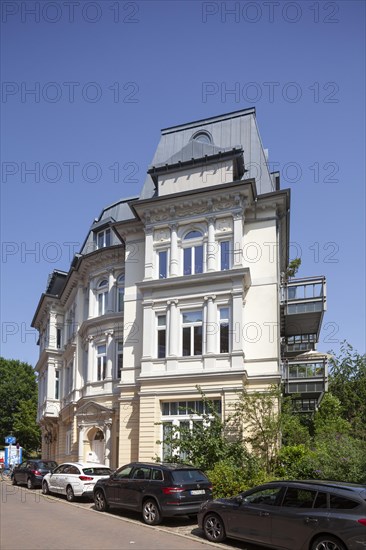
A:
[192,253]
[203,137]
[120,292]
[102,297]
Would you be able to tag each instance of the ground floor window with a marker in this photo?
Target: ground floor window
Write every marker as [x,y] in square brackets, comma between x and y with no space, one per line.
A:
[178,418]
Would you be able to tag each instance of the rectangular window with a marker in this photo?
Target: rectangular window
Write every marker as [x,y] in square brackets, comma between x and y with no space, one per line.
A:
[68,378]
[68,443]
[193,260]
[57,384]
[101,362]
[103,238]
[163,264]
[225,262]
[102,302]
[192,333]
[224,330]
[184,416]
[161,336]
[58,338]
[119,359]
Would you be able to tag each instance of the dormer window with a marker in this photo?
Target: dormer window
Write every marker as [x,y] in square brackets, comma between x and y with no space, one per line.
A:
[203,137]
[103,238]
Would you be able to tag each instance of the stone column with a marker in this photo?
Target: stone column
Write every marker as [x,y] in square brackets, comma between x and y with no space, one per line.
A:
[52,338]
[211,245]
[211,325]
[91,299]
[109,350]
[174,261]
[172,328]
[108,441]
[149,252]
[81,443]
[238,240]
[111,292]
[89,374]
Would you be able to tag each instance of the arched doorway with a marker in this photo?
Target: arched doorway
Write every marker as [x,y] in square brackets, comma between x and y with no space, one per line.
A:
[98,446]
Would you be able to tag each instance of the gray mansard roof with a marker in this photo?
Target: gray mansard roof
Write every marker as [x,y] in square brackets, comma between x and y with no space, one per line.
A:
[230,132]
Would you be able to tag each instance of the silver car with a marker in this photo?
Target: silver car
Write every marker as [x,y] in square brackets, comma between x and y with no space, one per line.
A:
[291,515]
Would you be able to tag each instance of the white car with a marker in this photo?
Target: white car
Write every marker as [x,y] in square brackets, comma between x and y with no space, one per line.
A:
[74,479]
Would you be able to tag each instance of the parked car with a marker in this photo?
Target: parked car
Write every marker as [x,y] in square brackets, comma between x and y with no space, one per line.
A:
[155,490]
[301,515]
[32,472]
[74,479]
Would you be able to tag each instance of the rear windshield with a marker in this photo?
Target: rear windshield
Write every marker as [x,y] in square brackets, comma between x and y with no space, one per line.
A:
[97,471]
[47,464]
[189,476]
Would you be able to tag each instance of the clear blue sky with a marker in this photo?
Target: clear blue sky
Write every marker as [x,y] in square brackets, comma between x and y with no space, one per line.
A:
[107,76]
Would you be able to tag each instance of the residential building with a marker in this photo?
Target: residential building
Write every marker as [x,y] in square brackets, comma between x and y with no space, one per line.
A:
[182,286]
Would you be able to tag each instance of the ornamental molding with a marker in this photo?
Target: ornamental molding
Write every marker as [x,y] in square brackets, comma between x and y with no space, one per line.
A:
[196,207]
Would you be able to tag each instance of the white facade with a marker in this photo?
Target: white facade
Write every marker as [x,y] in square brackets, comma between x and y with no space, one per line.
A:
[177,288]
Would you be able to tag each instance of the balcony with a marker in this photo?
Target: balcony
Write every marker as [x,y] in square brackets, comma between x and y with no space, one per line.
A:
[303,305]
[305,378]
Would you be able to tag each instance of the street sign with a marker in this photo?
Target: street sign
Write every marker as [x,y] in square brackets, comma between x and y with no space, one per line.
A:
[10,440]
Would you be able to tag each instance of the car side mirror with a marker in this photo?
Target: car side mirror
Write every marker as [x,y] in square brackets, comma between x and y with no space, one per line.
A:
[239,499]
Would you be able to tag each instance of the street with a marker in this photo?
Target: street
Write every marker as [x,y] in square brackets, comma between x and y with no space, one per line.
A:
[30,521]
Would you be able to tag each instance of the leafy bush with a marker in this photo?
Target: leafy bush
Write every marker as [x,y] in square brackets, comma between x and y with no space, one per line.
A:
[229,479]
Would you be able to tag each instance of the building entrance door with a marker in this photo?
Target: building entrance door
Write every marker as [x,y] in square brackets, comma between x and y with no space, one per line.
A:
[98,447]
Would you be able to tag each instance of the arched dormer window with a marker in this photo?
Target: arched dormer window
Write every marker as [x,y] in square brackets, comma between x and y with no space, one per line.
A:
[192,252]
[102,294]
[120,292]
[203,137]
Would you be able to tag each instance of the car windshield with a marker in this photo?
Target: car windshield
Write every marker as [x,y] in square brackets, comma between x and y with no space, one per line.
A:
[189,476]
[49,465]
[95,471]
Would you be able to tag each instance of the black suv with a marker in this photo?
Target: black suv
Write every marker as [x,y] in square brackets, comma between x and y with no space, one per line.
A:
[32,472]
[156,490]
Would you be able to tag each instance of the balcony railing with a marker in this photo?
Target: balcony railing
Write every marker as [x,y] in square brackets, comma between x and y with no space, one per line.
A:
[305,378]
[303,305]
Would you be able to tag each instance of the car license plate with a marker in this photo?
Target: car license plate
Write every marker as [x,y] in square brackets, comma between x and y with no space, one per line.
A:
[198,492]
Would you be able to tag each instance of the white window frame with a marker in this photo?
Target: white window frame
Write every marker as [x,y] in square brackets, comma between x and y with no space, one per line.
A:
[68,442]
[177,419]
[120,292]
[119,356]
[102,297]
[101,357]
[192,244]
[230,254]
[159,329]
[167,256]
[222,321]
[191,326]
[103,238]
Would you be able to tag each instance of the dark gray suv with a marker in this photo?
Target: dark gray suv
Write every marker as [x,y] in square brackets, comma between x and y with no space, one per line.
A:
[291,515]
[156,490]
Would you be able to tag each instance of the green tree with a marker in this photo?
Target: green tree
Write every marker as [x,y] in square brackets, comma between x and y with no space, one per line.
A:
[262,423]
[18,398]
[211,440]
[347,381]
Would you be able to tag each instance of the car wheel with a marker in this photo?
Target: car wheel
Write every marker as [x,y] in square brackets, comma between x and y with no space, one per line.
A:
[30,484]
[327,542]
[70,497]
[45,488]
[150,512]
[214,529]
[100,502]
